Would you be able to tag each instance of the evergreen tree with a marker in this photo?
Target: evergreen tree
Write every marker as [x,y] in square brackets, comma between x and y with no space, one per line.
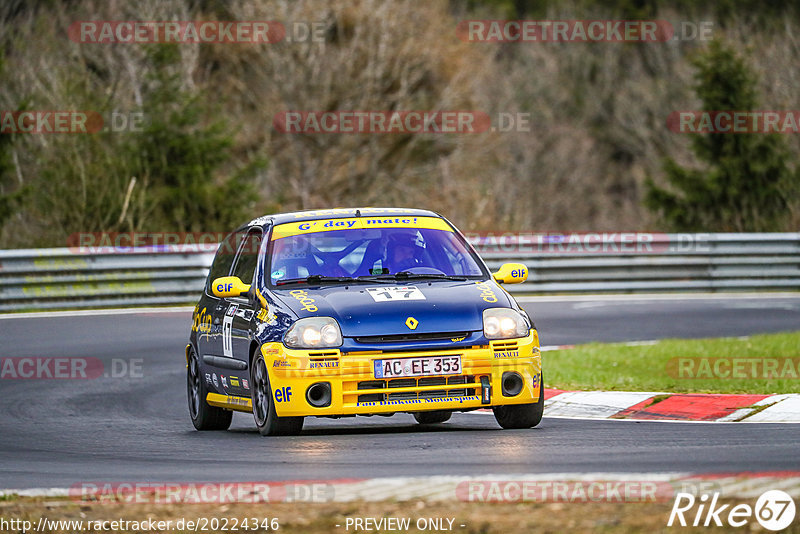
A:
[744,180]
[9,201]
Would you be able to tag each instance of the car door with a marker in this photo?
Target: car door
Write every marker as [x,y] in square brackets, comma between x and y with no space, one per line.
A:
[238,317]
[211,308]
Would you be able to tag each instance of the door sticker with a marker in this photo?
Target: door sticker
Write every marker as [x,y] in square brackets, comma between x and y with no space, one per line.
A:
[227,331]
[394,293]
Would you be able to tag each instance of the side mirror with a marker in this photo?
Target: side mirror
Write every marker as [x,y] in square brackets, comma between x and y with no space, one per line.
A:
[228,286]
[511,273]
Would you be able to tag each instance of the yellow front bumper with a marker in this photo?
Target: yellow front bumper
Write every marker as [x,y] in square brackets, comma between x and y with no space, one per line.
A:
[355,390]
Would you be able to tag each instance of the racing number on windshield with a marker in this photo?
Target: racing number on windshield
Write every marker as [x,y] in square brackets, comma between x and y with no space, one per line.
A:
[388,295]
[384,294]
[227,331]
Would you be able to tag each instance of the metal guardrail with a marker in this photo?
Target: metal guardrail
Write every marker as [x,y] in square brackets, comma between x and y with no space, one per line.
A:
[655,262]
[569,263]
[63,278]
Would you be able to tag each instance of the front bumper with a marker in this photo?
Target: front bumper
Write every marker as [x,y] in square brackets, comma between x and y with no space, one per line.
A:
[356,391]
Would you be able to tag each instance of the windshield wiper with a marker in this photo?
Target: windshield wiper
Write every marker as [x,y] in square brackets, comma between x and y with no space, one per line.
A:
[316,279]
[405,275]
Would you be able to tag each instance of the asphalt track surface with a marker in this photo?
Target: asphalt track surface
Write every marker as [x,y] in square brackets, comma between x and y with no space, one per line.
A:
[56,433]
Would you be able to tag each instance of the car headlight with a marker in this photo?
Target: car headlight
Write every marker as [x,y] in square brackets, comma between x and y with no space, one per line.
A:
[504,323]
[313,333]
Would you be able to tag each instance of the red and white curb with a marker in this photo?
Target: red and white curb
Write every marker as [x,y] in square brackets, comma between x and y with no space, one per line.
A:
[547,487]
[650,406]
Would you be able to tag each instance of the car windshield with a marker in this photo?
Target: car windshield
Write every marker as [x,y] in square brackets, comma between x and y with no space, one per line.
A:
[357,252]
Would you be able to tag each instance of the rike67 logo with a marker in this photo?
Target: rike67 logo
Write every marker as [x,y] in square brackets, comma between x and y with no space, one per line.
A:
[774,510]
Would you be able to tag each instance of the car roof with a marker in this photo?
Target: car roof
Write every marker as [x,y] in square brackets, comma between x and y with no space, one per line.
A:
[337,213]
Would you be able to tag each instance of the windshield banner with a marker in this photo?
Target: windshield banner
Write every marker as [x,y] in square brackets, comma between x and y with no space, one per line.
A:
[358,223]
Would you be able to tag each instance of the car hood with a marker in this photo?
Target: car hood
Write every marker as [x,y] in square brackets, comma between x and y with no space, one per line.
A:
[384,308]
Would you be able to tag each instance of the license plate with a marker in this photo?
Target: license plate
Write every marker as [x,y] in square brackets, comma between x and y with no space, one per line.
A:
[422,366]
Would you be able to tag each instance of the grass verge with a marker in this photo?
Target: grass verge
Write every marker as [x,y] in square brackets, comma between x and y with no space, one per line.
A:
[305,518]
[720,365]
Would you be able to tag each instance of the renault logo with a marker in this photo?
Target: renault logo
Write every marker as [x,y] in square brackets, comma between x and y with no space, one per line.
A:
[412,323]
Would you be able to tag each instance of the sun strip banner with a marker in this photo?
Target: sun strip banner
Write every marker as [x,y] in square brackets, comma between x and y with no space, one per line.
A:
[358,223]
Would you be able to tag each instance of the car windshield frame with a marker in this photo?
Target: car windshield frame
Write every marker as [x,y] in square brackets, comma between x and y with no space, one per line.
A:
[318,279]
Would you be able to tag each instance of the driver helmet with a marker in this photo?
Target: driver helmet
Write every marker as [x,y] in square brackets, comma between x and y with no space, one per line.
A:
[403,239]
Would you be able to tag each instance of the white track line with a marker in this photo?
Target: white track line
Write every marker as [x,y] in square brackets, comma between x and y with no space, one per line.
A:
[531,298]
[546,416]
[88,313]
[657,296]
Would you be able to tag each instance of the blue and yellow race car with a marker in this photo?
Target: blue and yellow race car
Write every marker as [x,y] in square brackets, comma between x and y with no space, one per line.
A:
[348,312]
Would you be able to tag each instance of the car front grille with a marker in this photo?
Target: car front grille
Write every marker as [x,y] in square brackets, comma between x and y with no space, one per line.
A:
[401,338]
[396,383]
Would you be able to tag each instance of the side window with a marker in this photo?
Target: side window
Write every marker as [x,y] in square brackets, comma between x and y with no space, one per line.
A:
[247,259]
[224,258]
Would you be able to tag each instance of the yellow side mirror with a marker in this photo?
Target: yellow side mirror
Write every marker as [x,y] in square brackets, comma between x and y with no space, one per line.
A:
[511,273]
[228,286]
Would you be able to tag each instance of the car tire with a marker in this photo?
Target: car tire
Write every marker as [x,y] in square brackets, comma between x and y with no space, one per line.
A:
[267,420]
[521,415]
[204,416]
[432,418]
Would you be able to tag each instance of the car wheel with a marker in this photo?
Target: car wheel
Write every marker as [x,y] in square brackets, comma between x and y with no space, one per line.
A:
[267,420]
[521,415]
[204,416]
[431,418]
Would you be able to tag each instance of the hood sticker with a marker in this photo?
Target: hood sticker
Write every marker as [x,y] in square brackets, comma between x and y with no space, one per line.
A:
[302,297]
[486,292]
[392,293]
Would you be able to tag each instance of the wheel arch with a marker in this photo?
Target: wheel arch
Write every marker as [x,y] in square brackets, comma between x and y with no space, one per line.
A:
[254,347]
